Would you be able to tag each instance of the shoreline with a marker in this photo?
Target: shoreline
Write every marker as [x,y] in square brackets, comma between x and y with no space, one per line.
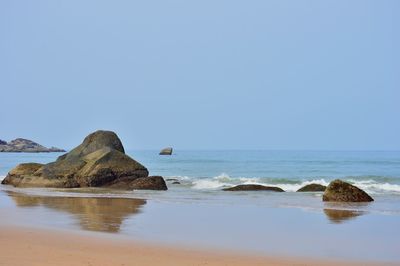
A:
[237,224]
[30,246]
[112,227]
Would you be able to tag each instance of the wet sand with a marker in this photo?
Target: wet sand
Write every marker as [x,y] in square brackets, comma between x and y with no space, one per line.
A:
[21,246]
[244,227]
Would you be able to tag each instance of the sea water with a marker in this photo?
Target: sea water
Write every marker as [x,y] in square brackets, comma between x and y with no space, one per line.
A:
[374,171]
[197,212]
[203,174]
[379,168]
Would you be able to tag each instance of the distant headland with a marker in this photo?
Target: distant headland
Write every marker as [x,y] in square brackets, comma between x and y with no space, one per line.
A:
[25,145]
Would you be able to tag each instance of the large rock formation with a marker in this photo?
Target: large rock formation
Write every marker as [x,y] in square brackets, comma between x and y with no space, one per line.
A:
[253,187]
[166,151]
[100,161]
[25,145]
[341,191]
[312,188]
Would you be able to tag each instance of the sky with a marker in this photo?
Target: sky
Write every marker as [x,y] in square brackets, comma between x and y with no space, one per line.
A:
[297,75]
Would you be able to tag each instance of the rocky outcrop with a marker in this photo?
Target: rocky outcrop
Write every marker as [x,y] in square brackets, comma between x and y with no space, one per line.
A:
[312,188]
[25,145]
[253,187]
[100,161]
[341,191]
[166,151]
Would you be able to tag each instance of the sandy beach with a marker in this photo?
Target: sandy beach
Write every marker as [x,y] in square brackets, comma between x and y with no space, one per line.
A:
[199,133]
[22,246]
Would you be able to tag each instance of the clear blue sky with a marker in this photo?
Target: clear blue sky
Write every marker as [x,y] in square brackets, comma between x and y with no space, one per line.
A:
[203,74]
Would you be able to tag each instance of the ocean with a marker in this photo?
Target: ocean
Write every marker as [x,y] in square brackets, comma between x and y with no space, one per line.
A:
[377,172]
[197,212]
[374,171]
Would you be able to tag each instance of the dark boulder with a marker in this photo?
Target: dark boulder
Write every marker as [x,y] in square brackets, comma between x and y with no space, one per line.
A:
[100,161]
[150,182]
[146,183]
[176,183]
[166,151]
[312,188]
[341,191]
[253,187]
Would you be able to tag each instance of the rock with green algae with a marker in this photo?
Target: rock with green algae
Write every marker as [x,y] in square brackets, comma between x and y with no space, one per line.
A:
[312,188]
[100,161]
[341,191]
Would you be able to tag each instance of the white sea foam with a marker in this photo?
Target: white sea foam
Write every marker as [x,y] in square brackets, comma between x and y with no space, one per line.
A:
[224,180]
[179,177]
[208,184]
[223,177]
[374,187]
[288,186]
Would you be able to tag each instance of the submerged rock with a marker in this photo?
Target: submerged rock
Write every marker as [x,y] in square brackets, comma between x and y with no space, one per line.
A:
[100,161]
[176,183]
[312,188]
[25,145]
[166,151]
[341,191]
[171,179]
[253,187]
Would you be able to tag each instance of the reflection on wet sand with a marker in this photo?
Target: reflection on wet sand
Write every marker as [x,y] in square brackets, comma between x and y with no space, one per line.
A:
[94,214]
[340,216]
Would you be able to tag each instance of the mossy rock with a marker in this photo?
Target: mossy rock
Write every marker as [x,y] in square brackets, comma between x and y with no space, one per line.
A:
[312,188]
[100,161]
[341,191]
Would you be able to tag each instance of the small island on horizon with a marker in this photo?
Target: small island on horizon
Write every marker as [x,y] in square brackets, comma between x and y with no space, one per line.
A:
[25,145]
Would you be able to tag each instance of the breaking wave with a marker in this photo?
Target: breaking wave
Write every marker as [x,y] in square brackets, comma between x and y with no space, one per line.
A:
[371,184]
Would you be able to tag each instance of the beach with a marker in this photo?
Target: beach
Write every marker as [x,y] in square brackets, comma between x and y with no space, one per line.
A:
[34,247]
[199,133]
[196,223]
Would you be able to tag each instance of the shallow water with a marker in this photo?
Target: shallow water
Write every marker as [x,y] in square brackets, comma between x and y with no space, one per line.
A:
[197,213]
[341,233]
